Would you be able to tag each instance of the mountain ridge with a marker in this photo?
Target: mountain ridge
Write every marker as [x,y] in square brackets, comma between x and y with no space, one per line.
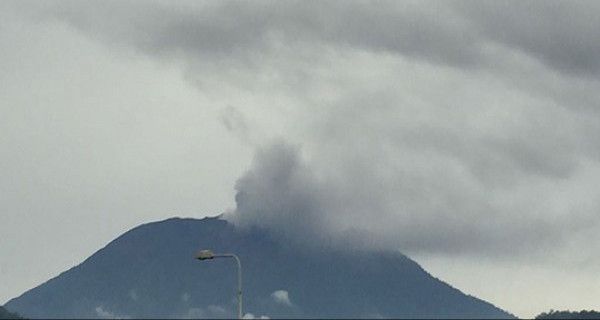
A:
[149,271]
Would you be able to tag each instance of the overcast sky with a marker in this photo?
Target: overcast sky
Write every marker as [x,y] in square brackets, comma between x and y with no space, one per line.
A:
[464,134]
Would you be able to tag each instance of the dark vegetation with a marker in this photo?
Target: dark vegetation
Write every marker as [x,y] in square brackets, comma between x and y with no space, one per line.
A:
[555,314]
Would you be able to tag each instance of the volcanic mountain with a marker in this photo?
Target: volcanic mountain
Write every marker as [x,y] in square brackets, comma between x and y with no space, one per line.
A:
[150,272]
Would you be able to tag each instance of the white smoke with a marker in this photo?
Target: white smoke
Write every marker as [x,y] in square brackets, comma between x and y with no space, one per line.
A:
[281,297]
[422,205]
[252,316]
[106,314]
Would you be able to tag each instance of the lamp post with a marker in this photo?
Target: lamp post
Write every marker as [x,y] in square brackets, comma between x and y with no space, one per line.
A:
[208,255]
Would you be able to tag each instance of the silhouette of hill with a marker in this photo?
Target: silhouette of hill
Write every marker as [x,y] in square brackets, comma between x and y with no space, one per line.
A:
[149,272]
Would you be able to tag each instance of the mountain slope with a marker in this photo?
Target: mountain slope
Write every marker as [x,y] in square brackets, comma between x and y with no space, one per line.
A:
[5,314]
[150,272]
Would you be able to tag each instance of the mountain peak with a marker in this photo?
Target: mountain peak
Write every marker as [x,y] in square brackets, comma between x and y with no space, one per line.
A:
[150,271]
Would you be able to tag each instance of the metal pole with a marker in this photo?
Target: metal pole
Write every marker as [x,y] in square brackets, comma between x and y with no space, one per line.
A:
[239,263]
[239,273]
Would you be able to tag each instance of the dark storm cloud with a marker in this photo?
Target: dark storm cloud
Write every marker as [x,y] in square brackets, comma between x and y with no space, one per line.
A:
[222,29]
[559,33]
[453,33]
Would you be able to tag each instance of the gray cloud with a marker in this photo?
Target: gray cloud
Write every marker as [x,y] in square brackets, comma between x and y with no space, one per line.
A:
[223,29]
[458,33]
[556,32]
[425,114]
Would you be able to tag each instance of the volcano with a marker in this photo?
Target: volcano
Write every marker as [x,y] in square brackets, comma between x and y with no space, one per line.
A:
[150,272]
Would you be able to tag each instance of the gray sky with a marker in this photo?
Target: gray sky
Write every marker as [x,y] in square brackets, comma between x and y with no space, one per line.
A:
[461,133]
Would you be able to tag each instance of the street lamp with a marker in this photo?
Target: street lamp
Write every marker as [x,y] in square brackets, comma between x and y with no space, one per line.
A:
[208,255]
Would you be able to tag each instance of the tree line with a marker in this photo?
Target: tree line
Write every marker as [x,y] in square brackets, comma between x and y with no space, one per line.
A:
[583,314]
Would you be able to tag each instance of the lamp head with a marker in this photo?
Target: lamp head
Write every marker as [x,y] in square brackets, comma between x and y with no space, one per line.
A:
[205,255]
